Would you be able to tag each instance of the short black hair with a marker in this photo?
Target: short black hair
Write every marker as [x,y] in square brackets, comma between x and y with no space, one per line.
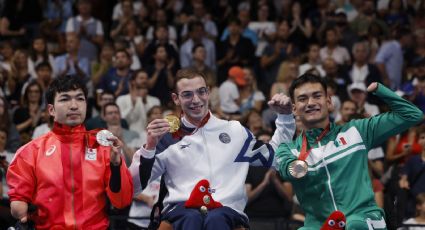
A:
[42,65]
[64,84]
[304,79]
[197,46]
[107,105]
[137,72]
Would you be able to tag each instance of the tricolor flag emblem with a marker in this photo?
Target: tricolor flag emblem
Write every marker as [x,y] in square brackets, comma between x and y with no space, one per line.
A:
[340,141]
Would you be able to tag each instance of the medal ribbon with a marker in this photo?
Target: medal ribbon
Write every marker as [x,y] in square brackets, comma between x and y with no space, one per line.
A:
[304,152]
[181,133]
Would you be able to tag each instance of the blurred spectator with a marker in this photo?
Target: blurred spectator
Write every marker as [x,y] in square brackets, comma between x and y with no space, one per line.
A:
[358,93]
[269,197]
[419,49]
[389,58]
[413,175]
[97,121]
[288,71]
[229,94]
[57,12]
[301,27]
[38,54]
[235,50]
[119,24]
[419,218]
[200,14]
[161,76]
[131,140]
[101,66]
[339,79]
[30,112]
[333,50]
[6,220]
[18,77]
[396,15]
[366,18]
[197,36]
[6,51]
[20,21]
[254,123]
[44,127]
[251,98]
[161,18]
[264,28]
[347,36]
[118,10]
[199,55]
[135,105]
[418,95]
[276,52]
[6,123]
[117,78]
[44,75]
[142,206]
[71,63]
[313,60]
[244,17]
[161,38]
[361,71]
[89,30]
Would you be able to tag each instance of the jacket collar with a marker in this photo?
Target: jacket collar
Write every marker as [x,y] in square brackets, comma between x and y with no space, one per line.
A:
[67,133]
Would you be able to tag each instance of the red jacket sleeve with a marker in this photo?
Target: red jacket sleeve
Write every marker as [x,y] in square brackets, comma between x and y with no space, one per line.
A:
[124,196]
[21,174]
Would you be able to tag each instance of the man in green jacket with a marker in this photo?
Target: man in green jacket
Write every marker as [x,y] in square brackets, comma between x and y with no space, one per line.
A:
[327,163]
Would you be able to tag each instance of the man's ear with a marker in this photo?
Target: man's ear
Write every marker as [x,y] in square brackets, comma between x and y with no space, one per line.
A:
[51,110]
[294,110]
[175,98]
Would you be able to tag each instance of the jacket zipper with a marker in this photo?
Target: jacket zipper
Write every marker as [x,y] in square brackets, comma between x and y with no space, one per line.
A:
[329,181]
[72,188]
[208,155]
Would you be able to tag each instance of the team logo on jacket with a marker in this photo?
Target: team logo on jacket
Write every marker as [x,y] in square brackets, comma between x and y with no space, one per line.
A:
[91,154]
[340,141]
[224,137]
[51,150]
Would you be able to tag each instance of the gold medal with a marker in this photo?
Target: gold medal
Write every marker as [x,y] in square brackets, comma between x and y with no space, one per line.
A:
[174,122]
[298,168]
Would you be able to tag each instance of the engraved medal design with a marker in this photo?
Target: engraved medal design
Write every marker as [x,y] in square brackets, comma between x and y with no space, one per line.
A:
[298,168]
[174,122]
[102,137]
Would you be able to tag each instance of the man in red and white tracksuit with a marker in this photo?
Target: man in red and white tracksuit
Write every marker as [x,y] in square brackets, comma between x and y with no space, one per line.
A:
[65,173]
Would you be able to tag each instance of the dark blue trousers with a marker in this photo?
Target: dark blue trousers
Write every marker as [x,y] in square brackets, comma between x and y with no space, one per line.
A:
[223,218]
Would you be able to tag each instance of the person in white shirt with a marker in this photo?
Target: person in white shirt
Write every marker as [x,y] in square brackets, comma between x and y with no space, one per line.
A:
[357,92]
[332,49]
[228,91]
[313,61]
[135,105]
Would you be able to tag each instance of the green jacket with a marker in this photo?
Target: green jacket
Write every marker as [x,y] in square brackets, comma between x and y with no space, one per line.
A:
[337,175]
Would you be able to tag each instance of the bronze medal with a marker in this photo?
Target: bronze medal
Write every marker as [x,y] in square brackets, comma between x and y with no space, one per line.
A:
[298,168]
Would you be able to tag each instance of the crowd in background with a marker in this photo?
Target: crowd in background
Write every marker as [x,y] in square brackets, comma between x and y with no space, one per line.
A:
[128,53]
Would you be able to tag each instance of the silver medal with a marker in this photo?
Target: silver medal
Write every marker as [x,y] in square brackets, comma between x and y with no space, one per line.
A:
[298,168]
[102,137]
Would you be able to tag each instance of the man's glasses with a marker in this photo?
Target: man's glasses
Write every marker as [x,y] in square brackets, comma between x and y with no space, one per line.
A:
[188,95]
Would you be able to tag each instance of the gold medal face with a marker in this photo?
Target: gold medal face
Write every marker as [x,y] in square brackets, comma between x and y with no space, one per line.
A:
[298,168]
[174,122]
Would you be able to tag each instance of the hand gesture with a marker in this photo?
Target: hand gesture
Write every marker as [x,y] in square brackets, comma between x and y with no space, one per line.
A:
[281,104]
[155,130]
[116,149]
